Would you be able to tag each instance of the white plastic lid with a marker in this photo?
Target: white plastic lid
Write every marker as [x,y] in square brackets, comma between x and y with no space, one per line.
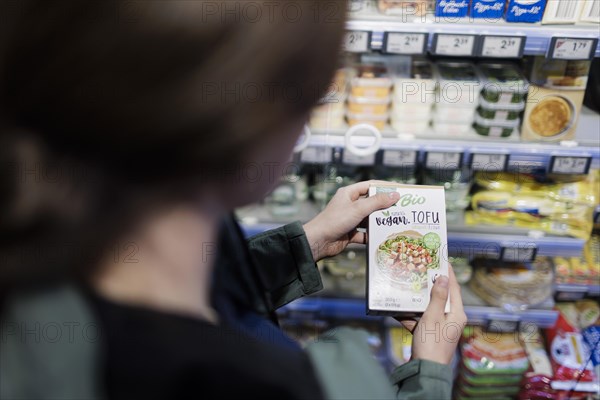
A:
[501,106]
[502,124]
[521,86]
[369,100]
[372,82]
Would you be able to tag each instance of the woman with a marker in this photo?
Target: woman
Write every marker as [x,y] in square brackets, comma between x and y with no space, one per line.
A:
[129,130]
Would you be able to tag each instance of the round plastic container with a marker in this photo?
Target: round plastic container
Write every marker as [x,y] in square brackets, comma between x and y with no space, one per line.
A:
[413,127]
[454,114]
[377,121]
[486,127]
[368,105]
[503,83]
[411,111]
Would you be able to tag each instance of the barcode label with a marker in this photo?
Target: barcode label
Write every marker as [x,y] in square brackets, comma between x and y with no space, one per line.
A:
[566,10]
[594,10]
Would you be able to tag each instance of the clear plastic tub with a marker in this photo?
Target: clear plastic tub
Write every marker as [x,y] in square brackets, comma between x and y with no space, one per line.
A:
[499,112]
[503,83]
[371,81]
[459,83]
[368,105]
[446,113]
[328,121]
[446,128]
[330,108]
[418,88]
[486,127]
[410,126]
[415,111]
[377,121]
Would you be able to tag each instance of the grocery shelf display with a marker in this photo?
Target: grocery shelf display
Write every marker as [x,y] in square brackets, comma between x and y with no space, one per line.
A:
[486,102]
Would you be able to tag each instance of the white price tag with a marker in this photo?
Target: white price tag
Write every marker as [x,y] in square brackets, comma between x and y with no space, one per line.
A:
[489,162]
[521,254]
[405,43]
[502,46]
[573,48]
[357,41]
[316,155]
[399,158]
[443,160]
[570,165]
[454,45]
[352,159]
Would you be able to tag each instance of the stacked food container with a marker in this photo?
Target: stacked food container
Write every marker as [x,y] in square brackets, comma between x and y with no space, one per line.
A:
[330,113]
[459,87]
[370,96]
[413,99]
[502,100]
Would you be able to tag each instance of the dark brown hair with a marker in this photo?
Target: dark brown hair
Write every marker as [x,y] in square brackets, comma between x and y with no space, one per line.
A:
[105,104]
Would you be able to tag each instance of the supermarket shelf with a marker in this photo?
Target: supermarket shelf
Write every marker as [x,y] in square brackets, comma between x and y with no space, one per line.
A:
[571,292]
[311,307]
[538,37]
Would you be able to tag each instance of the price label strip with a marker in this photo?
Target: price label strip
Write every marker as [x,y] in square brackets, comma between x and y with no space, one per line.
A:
[405,43]
[399,158]
[458,45]
[489,162]
[316,155]
[521,254]
[572,48]
[573,165]
[570,293]
[443,160]
[357,41]
[503,323]
[502,46]
[350,158]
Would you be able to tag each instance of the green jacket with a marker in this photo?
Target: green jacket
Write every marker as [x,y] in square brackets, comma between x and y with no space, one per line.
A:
[285,271]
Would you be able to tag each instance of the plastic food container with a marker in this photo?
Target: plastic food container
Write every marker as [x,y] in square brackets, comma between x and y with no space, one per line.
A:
[499,112]
[411,111]
[486,127]
[446,128]
[371,81]
[413,127]
[459,83]
[336,106]
[378,121]
[503,83]
[328,121]
[368,105]
[419,88]
[454,114]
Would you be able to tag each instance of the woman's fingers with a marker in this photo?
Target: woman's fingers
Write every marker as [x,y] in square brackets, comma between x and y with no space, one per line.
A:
[359,189]
[439,297]
[456,303]
[371,204]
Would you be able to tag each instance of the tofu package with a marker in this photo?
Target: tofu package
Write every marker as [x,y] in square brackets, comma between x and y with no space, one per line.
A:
[407,251]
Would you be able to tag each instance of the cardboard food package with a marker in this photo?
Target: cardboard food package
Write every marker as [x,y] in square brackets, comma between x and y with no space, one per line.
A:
[407,250]
[554,100]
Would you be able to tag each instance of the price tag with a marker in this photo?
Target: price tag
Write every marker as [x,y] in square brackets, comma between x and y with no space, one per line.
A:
[571,294]
[572,48]
[357,41]
[443,160]
[489,162]
[522,254]
[570,165]
[502,324]
[502,46]
[399,158]
[352,159]
[405,43]
[316,155]
[454,45]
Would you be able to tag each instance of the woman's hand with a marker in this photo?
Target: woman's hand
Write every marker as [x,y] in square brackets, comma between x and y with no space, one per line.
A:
[335,227]
[436,335]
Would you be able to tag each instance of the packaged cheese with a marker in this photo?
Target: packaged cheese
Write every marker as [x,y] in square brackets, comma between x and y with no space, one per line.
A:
[407,250]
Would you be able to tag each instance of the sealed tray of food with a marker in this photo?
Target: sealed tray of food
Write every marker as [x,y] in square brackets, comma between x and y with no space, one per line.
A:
[377,121]
[407,250]
[503,83]
[371,80]
[368,105]
[418,88]
[488,127]
[451,129]
[459,83]
[410,126]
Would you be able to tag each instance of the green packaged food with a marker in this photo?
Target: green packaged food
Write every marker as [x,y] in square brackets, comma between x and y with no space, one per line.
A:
[503,83]
[487,127]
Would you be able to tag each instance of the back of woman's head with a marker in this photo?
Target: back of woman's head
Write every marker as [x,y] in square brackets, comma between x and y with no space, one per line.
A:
[108,105]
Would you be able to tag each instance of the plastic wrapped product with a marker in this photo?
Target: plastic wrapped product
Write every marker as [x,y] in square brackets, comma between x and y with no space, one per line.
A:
[377,121]
[451,8]
[450,129]
[529,11]
[418,88]
[488,9]
[455,114]
[411,111]
[368,106]
[410,126]
[516,287]
[331,121]
[405,7]
[492,128]
[503,83]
